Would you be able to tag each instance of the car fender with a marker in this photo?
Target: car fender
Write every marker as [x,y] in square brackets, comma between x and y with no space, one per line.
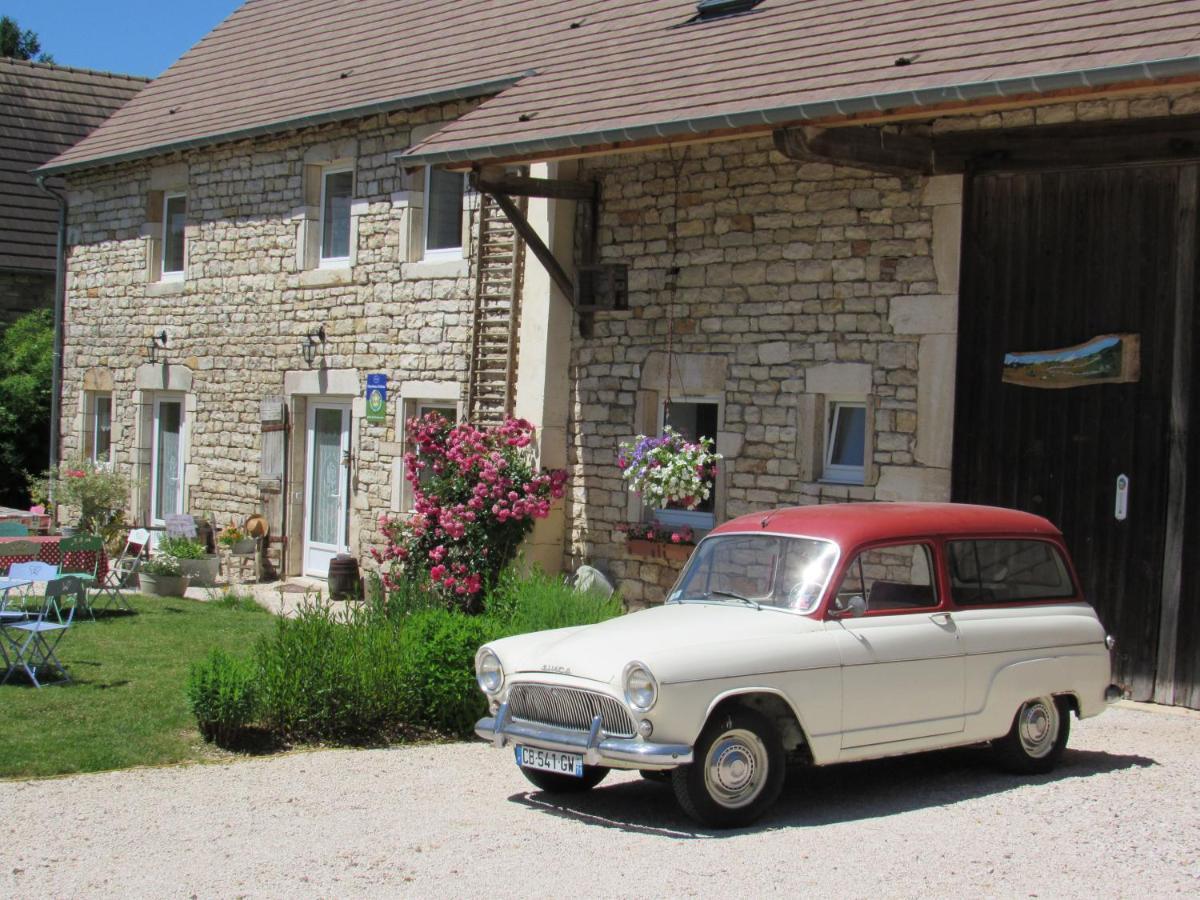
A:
[1080,675]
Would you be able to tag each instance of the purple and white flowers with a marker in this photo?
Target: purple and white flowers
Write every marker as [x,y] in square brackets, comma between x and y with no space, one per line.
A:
[669,471]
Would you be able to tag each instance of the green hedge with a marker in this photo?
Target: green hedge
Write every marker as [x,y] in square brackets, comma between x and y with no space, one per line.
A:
[402,665]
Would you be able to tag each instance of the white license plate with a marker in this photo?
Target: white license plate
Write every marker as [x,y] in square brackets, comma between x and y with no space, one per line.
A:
[550,761]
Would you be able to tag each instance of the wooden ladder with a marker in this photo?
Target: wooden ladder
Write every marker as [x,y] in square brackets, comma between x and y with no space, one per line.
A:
[491,383]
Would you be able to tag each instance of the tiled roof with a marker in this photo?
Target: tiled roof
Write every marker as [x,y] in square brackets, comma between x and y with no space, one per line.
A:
[278,64]
[640,74]
[44,109]
[606,71]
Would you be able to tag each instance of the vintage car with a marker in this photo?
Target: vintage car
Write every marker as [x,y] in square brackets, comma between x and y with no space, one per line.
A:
[823,634]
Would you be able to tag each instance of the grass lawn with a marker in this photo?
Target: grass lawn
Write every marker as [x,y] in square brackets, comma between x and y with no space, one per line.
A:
[125,705]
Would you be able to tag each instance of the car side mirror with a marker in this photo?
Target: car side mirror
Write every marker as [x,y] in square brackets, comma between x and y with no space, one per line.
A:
[854,607]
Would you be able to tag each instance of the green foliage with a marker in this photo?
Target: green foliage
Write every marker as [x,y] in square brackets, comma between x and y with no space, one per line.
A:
[221,694]
[182,548]
[438,670]
[231,599]
[401,664]
[20,44]
[26,361]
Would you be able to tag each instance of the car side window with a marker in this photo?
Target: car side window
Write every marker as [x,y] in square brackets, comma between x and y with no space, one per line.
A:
[987,572]
[890,579]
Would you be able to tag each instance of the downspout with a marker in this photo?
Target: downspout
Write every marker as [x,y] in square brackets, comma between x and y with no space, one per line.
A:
[60,288]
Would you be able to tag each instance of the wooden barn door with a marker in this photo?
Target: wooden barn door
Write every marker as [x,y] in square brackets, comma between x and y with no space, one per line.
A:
[1050,261]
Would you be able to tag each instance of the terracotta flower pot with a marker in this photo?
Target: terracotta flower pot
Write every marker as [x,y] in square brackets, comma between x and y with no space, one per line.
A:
[677,552]
[642,547]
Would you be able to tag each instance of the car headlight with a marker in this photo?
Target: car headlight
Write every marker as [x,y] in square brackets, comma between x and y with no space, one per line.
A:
[641,690]
[488,671]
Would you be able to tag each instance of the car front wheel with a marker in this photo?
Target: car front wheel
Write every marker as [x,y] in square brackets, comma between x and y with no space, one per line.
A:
[1037,738]
[557,783]
[736,772]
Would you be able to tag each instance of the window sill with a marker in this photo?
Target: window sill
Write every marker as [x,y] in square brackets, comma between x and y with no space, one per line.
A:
[166,288]
[436,268]
[327,277]
[843,482]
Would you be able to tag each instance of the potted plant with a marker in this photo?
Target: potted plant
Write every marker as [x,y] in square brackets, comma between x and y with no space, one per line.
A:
[669,470]
[200,566]
[657,541]
[160,576]
[236,541]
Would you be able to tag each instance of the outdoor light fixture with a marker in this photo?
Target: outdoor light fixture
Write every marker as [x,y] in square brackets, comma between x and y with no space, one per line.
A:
[312,344]
[156,341]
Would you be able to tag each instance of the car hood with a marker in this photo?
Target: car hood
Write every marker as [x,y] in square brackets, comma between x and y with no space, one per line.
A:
[678,642]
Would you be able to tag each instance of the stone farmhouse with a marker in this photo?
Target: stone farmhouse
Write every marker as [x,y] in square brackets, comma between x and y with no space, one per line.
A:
[888,250]
[44,109]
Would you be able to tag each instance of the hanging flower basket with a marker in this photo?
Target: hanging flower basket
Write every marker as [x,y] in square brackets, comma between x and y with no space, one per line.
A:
[669,470]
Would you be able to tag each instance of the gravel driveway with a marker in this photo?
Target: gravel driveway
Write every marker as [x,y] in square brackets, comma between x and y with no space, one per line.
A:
[1120,818]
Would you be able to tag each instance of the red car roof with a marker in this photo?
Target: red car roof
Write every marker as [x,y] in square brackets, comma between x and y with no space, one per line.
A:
[850,524]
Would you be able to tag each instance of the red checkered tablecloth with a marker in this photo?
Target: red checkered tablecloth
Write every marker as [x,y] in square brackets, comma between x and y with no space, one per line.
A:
[48,552]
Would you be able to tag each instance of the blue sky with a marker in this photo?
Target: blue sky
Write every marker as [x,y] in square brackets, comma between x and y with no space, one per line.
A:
[136,37]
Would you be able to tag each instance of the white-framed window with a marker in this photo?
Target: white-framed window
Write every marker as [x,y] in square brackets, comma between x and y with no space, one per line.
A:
[337,194]
[174,240]
[99,426]
[444,213]
[845,441]
[693,418]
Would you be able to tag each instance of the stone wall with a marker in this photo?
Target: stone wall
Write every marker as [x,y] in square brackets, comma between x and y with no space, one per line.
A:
[236,323]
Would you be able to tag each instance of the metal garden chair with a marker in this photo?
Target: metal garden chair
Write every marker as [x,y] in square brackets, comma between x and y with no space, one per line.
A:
[34,641]
[35,571]
[77,544]
[13,529]
[124,568]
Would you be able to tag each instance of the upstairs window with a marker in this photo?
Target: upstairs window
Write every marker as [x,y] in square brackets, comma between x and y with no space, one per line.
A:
[444,213]
[845,441]
[337,192]
[174,220]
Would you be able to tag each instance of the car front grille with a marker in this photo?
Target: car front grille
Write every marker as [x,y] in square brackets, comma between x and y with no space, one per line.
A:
[570,708]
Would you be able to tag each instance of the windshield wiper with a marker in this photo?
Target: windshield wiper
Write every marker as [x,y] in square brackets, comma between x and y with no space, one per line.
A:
[731,595]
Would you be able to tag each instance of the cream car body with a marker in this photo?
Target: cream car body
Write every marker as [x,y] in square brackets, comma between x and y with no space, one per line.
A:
[836,685]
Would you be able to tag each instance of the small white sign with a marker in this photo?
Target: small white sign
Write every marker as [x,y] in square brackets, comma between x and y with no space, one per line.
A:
[180,525]
[1122,506]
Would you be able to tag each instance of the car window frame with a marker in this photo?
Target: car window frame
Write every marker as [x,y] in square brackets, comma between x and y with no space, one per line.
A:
[939,580]
[1055,541]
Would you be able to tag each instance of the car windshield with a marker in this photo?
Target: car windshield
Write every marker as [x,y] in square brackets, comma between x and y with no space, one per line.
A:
[760,569]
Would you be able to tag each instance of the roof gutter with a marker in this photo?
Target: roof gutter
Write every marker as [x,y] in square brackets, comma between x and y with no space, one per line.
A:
[446,95]
[973,92]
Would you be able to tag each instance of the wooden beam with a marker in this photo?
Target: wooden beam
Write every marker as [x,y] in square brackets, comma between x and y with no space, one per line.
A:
[493,181]
[1073,145]
[860,146]
[535,243]
[1175,552]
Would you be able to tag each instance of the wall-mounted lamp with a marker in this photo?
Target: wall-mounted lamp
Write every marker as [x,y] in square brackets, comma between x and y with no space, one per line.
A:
[312,344]
[157,341]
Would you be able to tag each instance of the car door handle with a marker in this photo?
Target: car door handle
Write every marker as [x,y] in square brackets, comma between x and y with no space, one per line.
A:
[941,619]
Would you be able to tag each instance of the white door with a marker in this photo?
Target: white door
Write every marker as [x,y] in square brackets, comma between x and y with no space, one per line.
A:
[166,463]
[326,489]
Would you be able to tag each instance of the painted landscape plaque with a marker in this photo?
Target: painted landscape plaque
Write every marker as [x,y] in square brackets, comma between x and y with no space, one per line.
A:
[1105,359]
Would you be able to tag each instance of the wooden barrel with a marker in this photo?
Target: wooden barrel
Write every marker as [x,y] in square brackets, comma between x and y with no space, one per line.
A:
[343,577]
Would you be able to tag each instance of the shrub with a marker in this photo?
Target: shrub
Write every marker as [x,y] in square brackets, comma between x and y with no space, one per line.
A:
[182,548]
[438,670]
[221,691]
[539,601]
[476,493]
[98,493]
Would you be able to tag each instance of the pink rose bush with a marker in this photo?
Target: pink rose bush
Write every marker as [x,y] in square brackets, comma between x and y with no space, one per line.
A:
[476,494]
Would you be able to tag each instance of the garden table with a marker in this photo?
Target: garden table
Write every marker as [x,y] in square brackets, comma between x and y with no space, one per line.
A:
[49,552]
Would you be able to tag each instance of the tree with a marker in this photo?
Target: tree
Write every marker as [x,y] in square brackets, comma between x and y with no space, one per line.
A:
[20,44]
[26,362]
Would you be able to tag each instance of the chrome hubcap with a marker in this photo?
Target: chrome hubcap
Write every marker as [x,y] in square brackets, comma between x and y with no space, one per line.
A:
[736,768]
[1037,726]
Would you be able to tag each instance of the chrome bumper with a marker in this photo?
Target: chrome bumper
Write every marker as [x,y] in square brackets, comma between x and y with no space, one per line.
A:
[596,749]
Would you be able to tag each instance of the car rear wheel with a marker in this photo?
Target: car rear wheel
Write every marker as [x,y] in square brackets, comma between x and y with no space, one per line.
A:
[737,771]
[1037,738]
[557,783]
